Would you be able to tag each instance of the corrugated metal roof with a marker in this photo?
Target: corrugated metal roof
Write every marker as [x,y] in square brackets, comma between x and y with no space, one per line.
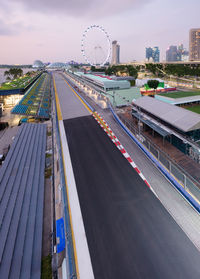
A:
[21,204]
[178,117]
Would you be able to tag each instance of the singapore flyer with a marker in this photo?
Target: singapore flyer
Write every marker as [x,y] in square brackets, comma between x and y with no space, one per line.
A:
[96,45]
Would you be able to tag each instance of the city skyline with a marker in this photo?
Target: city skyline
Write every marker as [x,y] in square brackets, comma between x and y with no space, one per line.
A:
[34,30]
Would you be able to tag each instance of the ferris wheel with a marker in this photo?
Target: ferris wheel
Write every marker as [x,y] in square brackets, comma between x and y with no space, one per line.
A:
[96,45]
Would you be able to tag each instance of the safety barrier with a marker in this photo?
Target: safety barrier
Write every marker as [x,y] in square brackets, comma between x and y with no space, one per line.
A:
[70,258]
[186,194]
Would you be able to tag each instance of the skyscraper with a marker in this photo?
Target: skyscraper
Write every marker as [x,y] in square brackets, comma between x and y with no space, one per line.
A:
[183,53]
[115,53]
[194,44]
[152,54]
[172,54]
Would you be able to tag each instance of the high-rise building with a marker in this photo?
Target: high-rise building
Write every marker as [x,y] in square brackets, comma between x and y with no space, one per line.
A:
[152,54]
[194,44]
[172,54]
[115,53]
[177,53]
[183,53]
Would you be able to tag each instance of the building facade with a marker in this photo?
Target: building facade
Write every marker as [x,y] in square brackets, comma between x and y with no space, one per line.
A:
[172,54]
[177,53]
[194,44]
[115,53]
[183,53]
[153,54]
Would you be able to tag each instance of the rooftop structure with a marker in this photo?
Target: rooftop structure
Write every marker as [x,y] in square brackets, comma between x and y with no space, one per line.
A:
[56,65]
[104,82]
[38,64]
[178,101]
[180,118]
[21,207]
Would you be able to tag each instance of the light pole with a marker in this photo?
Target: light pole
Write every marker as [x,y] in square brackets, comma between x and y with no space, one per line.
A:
[114,103]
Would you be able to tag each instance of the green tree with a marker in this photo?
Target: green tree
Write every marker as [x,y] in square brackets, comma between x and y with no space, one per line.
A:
[153,83]
[93,68]
[14,73]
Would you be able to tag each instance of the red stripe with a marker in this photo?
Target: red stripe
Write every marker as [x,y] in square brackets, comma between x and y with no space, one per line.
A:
[138,171]
[147,183]
[129,159]
[123,150]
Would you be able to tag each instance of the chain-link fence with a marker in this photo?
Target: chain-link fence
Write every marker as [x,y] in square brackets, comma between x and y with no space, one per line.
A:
[191,185]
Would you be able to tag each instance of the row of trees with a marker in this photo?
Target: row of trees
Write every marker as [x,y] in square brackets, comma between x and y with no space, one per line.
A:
[13,73]
[179,70]
[119,70]
[94,69]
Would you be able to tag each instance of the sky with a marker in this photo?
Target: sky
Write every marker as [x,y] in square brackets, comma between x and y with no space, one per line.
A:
[51,30]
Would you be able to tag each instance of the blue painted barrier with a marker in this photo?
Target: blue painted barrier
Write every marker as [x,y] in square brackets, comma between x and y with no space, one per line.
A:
[60,233]
[195,204]
[69,242]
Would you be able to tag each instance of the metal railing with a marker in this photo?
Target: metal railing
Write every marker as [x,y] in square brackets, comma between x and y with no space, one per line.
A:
[191,185]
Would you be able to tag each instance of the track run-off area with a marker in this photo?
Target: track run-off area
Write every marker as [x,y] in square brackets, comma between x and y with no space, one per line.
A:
[120,228]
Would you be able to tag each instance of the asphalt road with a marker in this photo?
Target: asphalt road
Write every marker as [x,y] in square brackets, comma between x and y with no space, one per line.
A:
[71,106]
[130,234]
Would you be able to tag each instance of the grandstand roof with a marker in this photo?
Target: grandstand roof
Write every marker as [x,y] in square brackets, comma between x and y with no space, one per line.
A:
[178,117]
[178,101]
[21,206]
[105,81]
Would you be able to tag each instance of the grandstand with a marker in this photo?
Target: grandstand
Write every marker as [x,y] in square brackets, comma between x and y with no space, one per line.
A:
[36,102]
[21,207]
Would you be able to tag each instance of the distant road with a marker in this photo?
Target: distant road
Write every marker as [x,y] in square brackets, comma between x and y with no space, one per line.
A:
[129,233]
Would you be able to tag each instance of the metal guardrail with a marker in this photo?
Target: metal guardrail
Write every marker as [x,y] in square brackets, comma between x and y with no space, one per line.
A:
[70,257]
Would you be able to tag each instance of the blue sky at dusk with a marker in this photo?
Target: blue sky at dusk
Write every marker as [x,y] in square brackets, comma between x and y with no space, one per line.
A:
[51,30]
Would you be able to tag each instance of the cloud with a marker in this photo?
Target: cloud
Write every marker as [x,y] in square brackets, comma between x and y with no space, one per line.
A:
[14,28]
[82,8]
[8,29]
